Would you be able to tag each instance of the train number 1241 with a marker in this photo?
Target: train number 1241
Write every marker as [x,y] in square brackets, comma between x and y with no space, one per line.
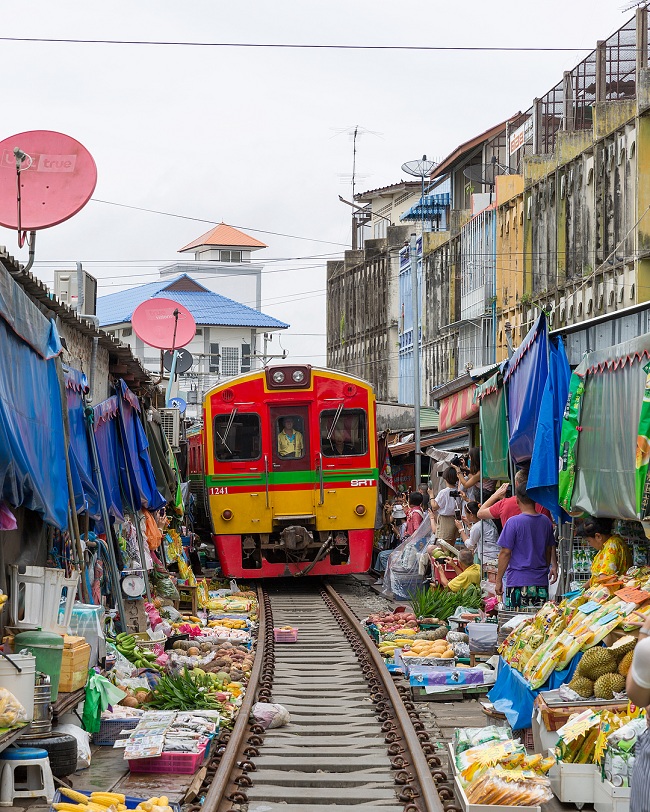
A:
[218,491]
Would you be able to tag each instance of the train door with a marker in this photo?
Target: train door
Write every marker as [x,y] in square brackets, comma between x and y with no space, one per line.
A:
[291,463]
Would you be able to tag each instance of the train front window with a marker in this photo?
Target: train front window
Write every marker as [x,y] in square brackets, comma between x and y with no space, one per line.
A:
[343,433]
[290,432]
[237,437]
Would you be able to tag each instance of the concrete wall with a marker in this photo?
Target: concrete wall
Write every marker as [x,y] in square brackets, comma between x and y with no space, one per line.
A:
[78,355]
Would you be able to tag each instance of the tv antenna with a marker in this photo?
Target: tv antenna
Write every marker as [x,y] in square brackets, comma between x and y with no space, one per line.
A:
[629,6]
[354,133]
[486,174]
[55,177]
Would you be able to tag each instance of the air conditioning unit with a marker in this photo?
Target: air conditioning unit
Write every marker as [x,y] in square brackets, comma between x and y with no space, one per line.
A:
[170,420]
[66,289]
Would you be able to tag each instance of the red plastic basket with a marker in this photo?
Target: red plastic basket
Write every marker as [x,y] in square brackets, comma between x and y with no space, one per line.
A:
[177,763]
[285,635]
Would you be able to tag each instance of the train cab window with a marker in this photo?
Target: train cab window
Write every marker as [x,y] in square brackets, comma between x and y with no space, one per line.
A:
[290,433]
[237,437]
[343,433]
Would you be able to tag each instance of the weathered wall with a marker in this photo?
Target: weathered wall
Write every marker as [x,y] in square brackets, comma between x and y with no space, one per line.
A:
[78,355]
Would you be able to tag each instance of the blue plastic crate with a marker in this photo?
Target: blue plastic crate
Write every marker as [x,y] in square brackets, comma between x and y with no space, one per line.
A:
[130,803]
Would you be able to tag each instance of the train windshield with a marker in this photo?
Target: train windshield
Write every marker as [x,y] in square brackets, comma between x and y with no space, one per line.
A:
[343,433]
[237,436]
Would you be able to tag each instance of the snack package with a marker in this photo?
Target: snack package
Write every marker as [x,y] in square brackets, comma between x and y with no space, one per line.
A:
[509,788]
[467,737]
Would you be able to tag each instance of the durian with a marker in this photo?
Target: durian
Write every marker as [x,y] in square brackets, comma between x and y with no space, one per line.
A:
[626,662]
[596,662]
[582,686]
[606,686]
[622,647]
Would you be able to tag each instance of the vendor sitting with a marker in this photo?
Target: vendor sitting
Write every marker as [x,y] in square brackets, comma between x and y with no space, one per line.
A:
[613,556]
[467,572]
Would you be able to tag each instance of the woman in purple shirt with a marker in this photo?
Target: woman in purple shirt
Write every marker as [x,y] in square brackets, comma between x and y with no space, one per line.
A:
[526,543]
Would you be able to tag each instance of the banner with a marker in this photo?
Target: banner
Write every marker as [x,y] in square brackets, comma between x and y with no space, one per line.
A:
[643,453]
[386,473]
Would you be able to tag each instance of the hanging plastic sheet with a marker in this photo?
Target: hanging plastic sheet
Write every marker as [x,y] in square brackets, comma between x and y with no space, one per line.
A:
[32,451]
[543,476]
[525,379]
[494,428]
[136,455]
[643,454]
[165,475]
[85,488]
[109,453]
[599,433]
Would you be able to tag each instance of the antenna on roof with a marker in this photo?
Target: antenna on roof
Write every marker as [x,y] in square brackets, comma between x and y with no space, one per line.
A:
[629,6]
[354,133]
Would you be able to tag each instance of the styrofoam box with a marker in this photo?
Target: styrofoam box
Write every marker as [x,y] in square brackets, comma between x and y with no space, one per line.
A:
[573,783]
[608,798]
[468,807]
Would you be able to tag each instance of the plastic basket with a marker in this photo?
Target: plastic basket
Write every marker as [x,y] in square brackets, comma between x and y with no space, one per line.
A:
[110,729]
[176,763]
[130,803]
[285,635]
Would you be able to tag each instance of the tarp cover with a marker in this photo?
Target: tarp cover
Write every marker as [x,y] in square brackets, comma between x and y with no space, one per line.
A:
[494,428]
[141,483]
[32,450]
[85,488]
[525,379]
[605,458]
[543,475]
[109,453]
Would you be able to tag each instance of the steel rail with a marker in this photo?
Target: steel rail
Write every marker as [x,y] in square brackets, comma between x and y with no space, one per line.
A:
[230,746]
[425,779]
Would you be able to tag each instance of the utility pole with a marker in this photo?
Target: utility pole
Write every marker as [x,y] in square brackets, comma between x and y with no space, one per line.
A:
[265,356]
[413,256]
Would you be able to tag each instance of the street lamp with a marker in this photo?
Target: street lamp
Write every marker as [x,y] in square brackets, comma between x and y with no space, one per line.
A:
[420,169]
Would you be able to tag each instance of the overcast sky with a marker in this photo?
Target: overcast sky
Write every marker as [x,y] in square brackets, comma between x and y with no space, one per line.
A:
[258,137]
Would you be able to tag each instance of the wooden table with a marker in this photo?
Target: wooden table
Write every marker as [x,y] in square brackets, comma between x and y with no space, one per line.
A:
[11,735]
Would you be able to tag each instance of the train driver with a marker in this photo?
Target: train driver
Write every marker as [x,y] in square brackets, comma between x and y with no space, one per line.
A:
[290,442]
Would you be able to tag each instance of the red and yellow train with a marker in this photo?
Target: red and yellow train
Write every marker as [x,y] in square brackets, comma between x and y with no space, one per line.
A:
[287,464]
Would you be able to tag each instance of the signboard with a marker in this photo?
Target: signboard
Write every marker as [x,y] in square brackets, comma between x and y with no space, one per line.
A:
[521,135]
[403,477]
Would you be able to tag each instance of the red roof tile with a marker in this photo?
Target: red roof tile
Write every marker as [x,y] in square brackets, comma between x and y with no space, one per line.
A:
[224,235]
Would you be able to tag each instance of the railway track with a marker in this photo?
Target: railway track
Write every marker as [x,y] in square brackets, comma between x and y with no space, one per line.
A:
[354,741]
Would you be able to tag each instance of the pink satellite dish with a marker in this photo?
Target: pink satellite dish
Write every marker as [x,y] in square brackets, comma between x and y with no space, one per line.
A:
[57,178]
[156,323]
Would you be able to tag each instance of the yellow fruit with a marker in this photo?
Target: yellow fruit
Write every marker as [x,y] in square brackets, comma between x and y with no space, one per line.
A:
[68,807]
[446,655]
[163,801]
[108,797]
[73,795]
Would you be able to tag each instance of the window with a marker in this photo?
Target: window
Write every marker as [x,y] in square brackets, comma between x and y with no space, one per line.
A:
[290,431]
[214,358]
[126,332]
[237,436]
[343,433]
[231,256]
[245,357]
[230,361]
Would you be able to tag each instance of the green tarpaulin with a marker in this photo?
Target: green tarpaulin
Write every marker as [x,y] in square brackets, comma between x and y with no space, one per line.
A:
[494,432]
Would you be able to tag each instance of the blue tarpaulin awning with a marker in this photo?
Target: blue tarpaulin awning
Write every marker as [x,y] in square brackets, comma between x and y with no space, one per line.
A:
[428,207]
[85,487]
[108,451]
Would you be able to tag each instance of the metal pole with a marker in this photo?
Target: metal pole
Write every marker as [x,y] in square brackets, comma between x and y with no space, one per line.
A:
[416,353]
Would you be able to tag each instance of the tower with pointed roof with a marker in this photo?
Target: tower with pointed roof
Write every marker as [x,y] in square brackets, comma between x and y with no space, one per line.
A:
[222,263]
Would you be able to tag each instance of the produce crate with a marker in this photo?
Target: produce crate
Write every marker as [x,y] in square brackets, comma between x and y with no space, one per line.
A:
[285,635]
[74,665]
[110,729]
[129,802]
[525,735]
[608,798]
[573,783]
[554,717]
[175,763]
[143,640]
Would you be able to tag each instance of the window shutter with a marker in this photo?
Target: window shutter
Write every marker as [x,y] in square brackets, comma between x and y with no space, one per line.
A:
[245,357]
[214,358]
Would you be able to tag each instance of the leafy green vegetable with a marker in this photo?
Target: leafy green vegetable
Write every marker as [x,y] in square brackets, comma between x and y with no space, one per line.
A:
[441,602]
[184,691]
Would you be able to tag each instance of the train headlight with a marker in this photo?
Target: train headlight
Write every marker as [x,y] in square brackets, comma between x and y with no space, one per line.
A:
[298,376]
[226,515]
[278,376]
[360,510]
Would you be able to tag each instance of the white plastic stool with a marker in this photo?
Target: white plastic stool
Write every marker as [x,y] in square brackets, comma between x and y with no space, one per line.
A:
[38,783]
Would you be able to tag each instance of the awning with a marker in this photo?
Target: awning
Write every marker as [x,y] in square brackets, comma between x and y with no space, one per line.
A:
[458,408]
[427,207]
[399,449]
[494,428]
[85,488]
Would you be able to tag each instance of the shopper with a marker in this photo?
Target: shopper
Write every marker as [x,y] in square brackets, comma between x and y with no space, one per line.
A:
[467,572]
[415,515]
[424,490]
[398,530]
[444,504]
[469,479]
[613,556]
[527,544]
[638,690]
[482,537]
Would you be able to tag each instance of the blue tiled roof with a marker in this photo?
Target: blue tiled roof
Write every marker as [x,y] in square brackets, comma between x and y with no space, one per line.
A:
[205,306]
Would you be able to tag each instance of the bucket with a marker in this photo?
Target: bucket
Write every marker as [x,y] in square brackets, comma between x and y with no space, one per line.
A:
[48,650]
[42,722]
[21,685]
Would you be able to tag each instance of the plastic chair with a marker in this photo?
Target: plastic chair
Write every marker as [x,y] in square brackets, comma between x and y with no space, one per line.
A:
[38,782]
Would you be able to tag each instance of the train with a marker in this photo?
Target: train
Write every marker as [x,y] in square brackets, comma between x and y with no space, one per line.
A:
[284,467]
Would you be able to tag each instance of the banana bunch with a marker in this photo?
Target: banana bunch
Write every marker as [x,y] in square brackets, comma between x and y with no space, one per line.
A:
[128,647]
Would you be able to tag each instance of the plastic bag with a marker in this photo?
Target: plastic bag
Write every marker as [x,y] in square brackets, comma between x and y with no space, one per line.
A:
[88,621]
[402,576]
[11,711]
[83,743]
[163,586]
[270,715]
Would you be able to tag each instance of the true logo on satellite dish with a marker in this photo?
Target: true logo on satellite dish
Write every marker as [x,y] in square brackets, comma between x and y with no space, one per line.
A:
[41,163]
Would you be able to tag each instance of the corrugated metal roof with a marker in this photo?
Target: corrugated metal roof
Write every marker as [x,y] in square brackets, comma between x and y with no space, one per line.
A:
[428,418]
[468,146]
[206,307]
[225,235]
